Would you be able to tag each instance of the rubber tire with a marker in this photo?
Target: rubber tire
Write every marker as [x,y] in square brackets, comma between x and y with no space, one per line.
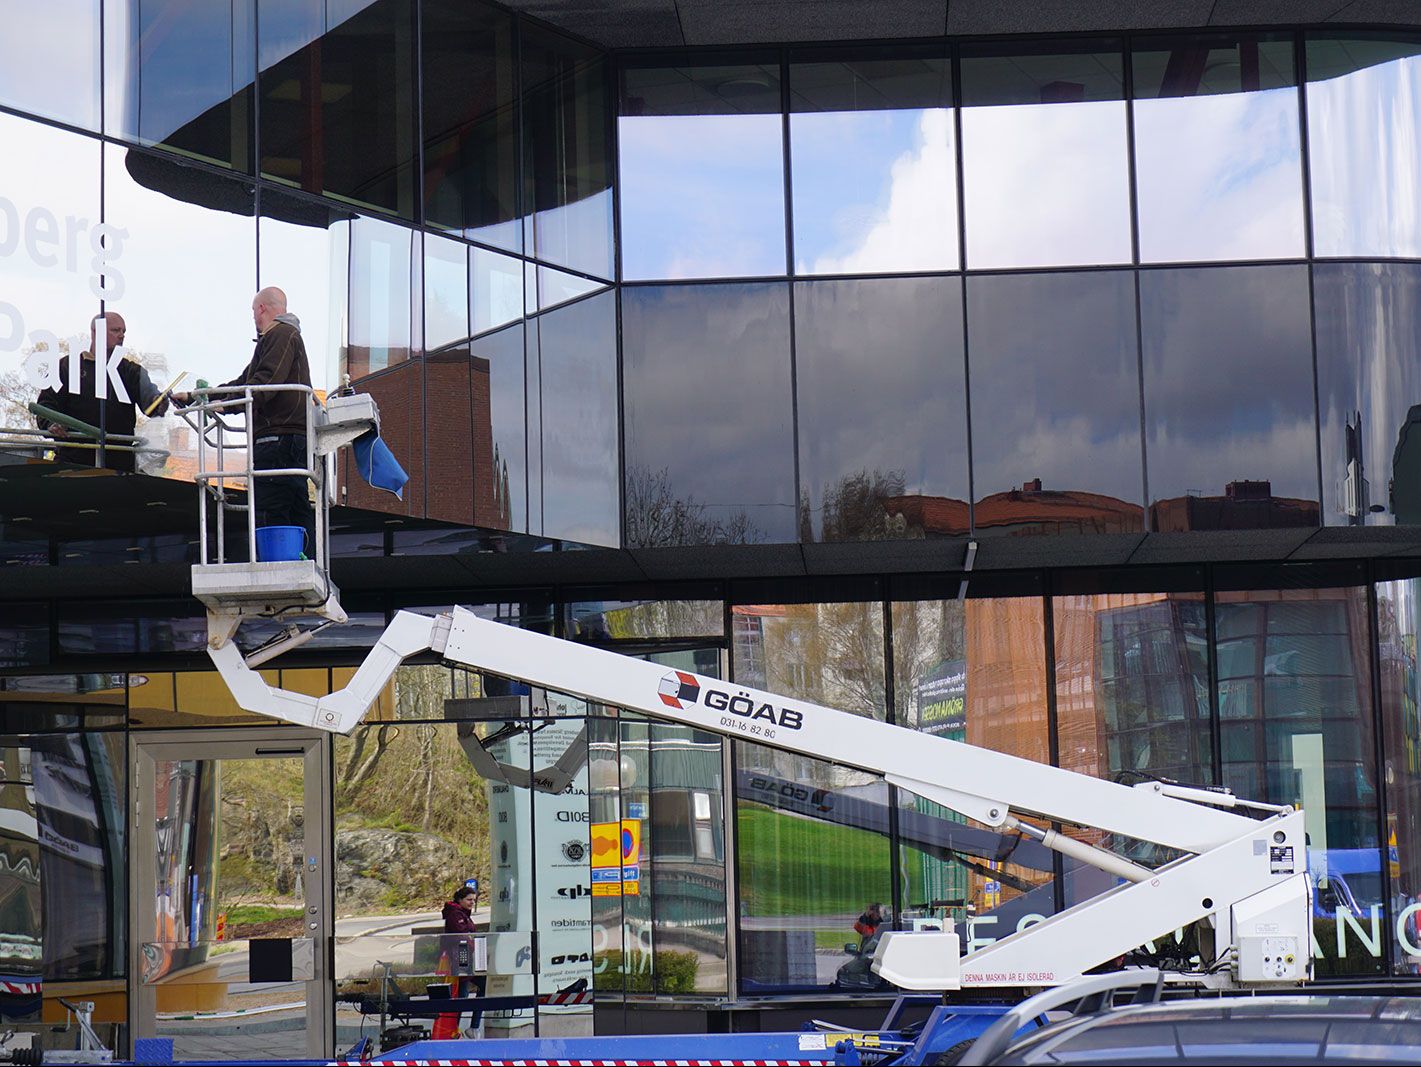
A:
[949,1057]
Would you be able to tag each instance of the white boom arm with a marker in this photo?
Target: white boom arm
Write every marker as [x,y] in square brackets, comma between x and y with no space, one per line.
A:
[1243,877]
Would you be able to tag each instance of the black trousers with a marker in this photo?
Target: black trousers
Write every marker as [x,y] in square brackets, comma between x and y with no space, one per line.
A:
[284,500]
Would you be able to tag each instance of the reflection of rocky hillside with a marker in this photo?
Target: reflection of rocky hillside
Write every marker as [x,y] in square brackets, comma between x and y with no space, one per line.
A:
[378,869]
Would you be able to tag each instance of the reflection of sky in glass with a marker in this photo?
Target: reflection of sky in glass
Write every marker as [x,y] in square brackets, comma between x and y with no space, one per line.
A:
[1219,176]
[1228,380]
[555,287]
[495,289]
[874,191]
[702,196]
[1046,184]
[578,351]
[446,292]
[309,264]
[380,291]
[191,310]
[53,294]
[1368,373]
[1366,161]
[577,235]
[49,59]
[1074,420]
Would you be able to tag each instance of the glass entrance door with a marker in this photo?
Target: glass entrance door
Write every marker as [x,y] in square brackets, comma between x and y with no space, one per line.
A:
[231,893]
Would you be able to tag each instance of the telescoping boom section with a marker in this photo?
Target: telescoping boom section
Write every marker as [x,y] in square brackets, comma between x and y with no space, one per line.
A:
[1240,881]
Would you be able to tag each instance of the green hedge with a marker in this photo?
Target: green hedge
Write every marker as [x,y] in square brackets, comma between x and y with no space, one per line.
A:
[674,972]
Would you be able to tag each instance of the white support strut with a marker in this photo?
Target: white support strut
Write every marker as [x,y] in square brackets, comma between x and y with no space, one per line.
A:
[1242,878]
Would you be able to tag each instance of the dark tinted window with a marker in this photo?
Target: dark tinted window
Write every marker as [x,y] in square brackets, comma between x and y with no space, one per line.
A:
[337,109]
[566,144]
[1230,426]
[24,635]
[500,448]
[127,627]
[709,445]
[581,474]
[180,75]
[1369,378]
[1055,402]
[470,132]
[882,410]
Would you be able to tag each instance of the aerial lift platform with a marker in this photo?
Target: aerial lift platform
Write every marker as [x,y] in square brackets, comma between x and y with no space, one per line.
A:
[1239,882]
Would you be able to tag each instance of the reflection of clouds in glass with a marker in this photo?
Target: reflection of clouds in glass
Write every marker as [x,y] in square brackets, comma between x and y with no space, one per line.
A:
[48,174]
[1074,420]
[578,350]
[1228,380]
[1046,184]
[874,191]
[702,196]
[577,235]
[707,386]
[1219,177]
[49,60]
[881,400]
[1368,362]
[1366,161]
[190,274]
[309,264]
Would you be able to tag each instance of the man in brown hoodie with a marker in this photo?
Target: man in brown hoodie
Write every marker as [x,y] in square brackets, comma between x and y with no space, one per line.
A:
[279,418]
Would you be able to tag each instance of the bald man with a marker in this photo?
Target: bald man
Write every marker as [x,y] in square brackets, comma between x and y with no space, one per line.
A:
[112,415]
[279,419]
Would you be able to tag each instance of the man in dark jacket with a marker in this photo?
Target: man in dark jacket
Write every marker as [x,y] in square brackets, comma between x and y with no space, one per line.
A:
[279,418]
[113,414]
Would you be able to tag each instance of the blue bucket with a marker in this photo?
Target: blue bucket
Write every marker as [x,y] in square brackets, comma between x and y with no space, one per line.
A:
[279,543]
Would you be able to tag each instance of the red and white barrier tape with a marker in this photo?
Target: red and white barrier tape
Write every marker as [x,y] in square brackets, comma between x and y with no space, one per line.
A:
[27,989]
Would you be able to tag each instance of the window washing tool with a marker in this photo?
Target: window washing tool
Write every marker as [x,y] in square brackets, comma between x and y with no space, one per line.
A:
[159,398]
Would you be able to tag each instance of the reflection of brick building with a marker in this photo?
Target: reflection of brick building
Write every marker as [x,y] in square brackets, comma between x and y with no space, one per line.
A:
[1244,506]
[1028,510]
[1006,676]
[446,417]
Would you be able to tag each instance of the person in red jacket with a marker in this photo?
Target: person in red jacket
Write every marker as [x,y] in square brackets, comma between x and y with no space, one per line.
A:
[869,922]
[456,955]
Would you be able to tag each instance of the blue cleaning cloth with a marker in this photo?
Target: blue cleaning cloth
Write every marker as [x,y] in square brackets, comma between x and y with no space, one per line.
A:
[378,465]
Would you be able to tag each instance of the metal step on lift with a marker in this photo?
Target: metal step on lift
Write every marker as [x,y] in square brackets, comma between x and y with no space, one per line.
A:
[237,585]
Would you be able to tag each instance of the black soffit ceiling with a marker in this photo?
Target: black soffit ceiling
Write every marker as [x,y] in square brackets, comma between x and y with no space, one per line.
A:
[678,23]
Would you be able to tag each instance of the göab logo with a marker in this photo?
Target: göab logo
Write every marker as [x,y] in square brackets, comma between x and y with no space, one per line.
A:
[678,689]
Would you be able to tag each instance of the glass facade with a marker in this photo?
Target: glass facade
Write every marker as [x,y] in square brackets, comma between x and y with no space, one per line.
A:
[1147,289]
[761,201]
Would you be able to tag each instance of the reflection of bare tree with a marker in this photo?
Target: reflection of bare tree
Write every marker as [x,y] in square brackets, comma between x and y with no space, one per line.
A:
[857,508]
[656,517]
[926,634]
[15,393]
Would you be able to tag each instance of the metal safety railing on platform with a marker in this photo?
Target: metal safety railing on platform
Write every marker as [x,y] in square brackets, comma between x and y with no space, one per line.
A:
[216,437]
[80,436]
[284,583]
